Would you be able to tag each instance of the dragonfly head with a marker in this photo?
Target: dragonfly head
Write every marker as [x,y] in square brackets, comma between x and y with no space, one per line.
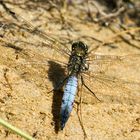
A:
[79,48]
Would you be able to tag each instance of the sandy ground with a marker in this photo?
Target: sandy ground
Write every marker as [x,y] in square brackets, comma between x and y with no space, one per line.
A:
[30,68]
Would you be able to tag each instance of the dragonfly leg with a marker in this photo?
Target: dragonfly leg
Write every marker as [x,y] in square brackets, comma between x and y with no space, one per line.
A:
[83,83]
[59,85]
[79,112]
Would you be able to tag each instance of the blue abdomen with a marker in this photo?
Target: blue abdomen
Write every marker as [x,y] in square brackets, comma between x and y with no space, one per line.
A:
[68,99]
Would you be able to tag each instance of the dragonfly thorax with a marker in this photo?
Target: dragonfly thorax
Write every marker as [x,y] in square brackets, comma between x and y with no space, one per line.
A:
[77,62]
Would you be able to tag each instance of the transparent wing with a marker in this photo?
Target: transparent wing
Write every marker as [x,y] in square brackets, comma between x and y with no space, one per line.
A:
[100,63]
[118,84]
[112,91]
[25,32]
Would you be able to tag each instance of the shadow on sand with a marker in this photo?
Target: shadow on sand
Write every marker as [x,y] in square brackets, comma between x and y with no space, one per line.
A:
[56,74]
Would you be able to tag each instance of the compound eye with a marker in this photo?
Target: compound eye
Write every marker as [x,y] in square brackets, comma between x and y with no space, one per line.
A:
[73,48]
[74,45]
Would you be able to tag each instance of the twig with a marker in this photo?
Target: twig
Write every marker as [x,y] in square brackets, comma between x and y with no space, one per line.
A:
[16,130]
[109,40]
[105,16]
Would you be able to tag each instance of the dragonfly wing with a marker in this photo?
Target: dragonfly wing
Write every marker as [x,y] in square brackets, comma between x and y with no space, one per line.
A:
[115,80]
[112,90]
[18,36]
[26,31]
[101,63]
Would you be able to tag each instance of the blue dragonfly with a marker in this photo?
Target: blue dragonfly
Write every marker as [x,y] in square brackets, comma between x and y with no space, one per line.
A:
[76,65]
[81,63]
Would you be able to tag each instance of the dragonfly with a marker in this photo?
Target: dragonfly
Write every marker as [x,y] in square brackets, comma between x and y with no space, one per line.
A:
[77,64]
[81,63]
